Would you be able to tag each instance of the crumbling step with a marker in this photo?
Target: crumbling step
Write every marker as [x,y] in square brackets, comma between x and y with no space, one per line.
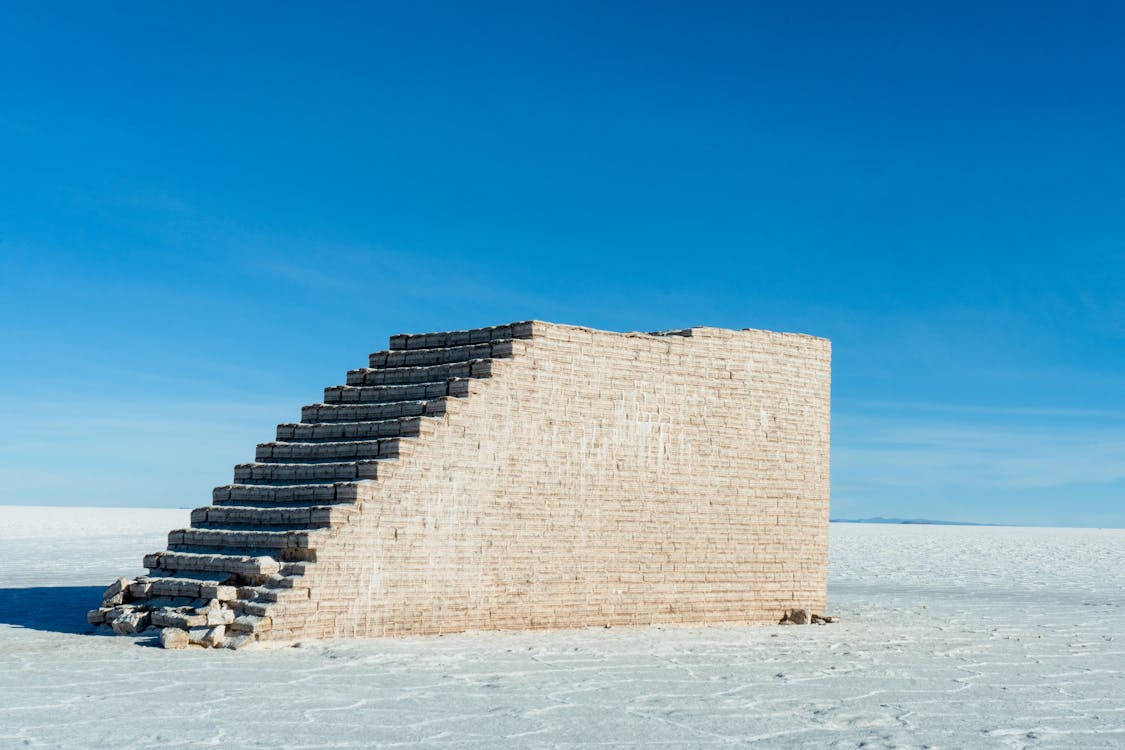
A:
[288,494]
[521,330]
[214,586]
[473,368]
[284,582]
[380,394]
[311,517]
[295,568]
[294,452]
[248,607]
[184,540]
[368,412]
[441,356]
[186,618]
[272,594]
[240,565]
[305,472]
[250,624]
[337,431]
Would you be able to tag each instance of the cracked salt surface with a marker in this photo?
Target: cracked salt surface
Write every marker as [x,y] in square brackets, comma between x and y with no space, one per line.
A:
[954,637]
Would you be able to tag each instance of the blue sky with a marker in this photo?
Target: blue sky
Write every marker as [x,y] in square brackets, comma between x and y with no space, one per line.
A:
[210,212]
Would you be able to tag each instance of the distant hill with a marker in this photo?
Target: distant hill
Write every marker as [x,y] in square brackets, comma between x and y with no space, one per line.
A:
[919,521]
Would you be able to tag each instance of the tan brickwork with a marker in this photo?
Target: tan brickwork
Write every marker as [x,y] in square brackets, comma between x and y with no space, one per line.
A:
[560,477]
[599,478]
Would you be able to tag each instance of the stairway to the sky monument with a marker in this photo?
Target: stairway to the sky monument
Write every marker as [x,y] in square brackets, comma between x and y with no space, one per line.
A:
[250,548]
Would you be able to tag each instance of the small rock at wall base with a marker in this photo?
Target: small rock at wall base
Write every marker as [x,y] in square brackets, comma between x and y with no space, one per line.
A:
[795,617]
[174,638]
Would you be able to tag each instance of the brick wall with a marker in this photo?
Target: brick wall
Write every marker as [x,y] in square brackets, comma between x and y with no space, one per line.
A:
[596,478]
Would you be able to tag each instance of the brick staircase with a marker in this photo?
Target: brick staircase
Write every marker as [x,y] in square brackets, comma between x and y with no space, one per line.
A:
[251,548]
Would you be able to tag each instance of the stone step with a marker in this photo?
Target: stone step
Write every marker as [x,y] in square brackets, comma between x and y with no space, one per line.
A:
[247,607]
[200,540]
[521,330]
[179,618]
[371,412]
[326,452]
[239,565]
[284,582]
[288,473]
[295,569]
[473,368]
[310,517]
[212,613]
[250,624]
[206,587]
[171,602]
[292,495]
[382,394]
[307,432]
[441,356]
[272,594]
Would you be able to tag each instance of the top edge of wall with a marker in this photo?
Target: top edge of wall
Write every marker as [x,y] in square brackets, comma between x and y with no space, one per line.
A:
[529,328]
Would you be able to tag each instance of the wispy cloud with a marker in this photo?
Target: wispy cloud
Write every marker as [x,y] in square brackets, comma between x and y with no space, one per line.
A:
[1064,447]
[127,452]
[930,408]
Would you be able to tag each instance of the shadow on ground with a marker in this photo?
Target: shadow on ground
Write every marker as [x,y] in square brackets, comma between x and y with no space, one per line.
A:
[59,609]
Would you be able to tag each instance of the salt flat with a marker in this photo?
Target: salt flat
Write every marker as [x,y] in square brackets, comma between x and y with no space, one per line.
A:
[952,637]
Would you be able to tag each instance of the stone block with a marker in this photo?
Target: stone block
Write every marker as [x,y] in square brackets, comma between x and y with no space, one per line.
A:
[140,590]
[131,622]
[174,638]
[196,635]
[214,637]
[220,592]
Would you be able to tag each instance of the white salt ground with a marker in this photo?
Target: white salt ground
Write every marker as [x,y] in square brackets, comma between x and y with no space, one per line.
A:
[952,637]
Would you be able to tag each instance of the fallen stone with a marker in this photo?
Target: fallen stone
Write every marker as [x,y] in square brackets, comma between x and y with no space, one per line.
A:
[239,641]
[196,635]
[795,617]
[215,636]
[139,590]
[130,622]
[113,613]
[220,617]
[174,638]
[115,588]
[183,621]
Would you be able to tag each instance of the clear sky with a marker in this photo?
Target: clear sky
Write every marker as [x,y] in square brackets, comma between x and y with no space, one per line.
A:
[209,212]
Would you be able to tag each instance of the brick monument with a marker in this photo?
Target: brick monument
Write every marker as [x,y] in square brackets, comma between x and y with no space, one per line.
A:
[529,475]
